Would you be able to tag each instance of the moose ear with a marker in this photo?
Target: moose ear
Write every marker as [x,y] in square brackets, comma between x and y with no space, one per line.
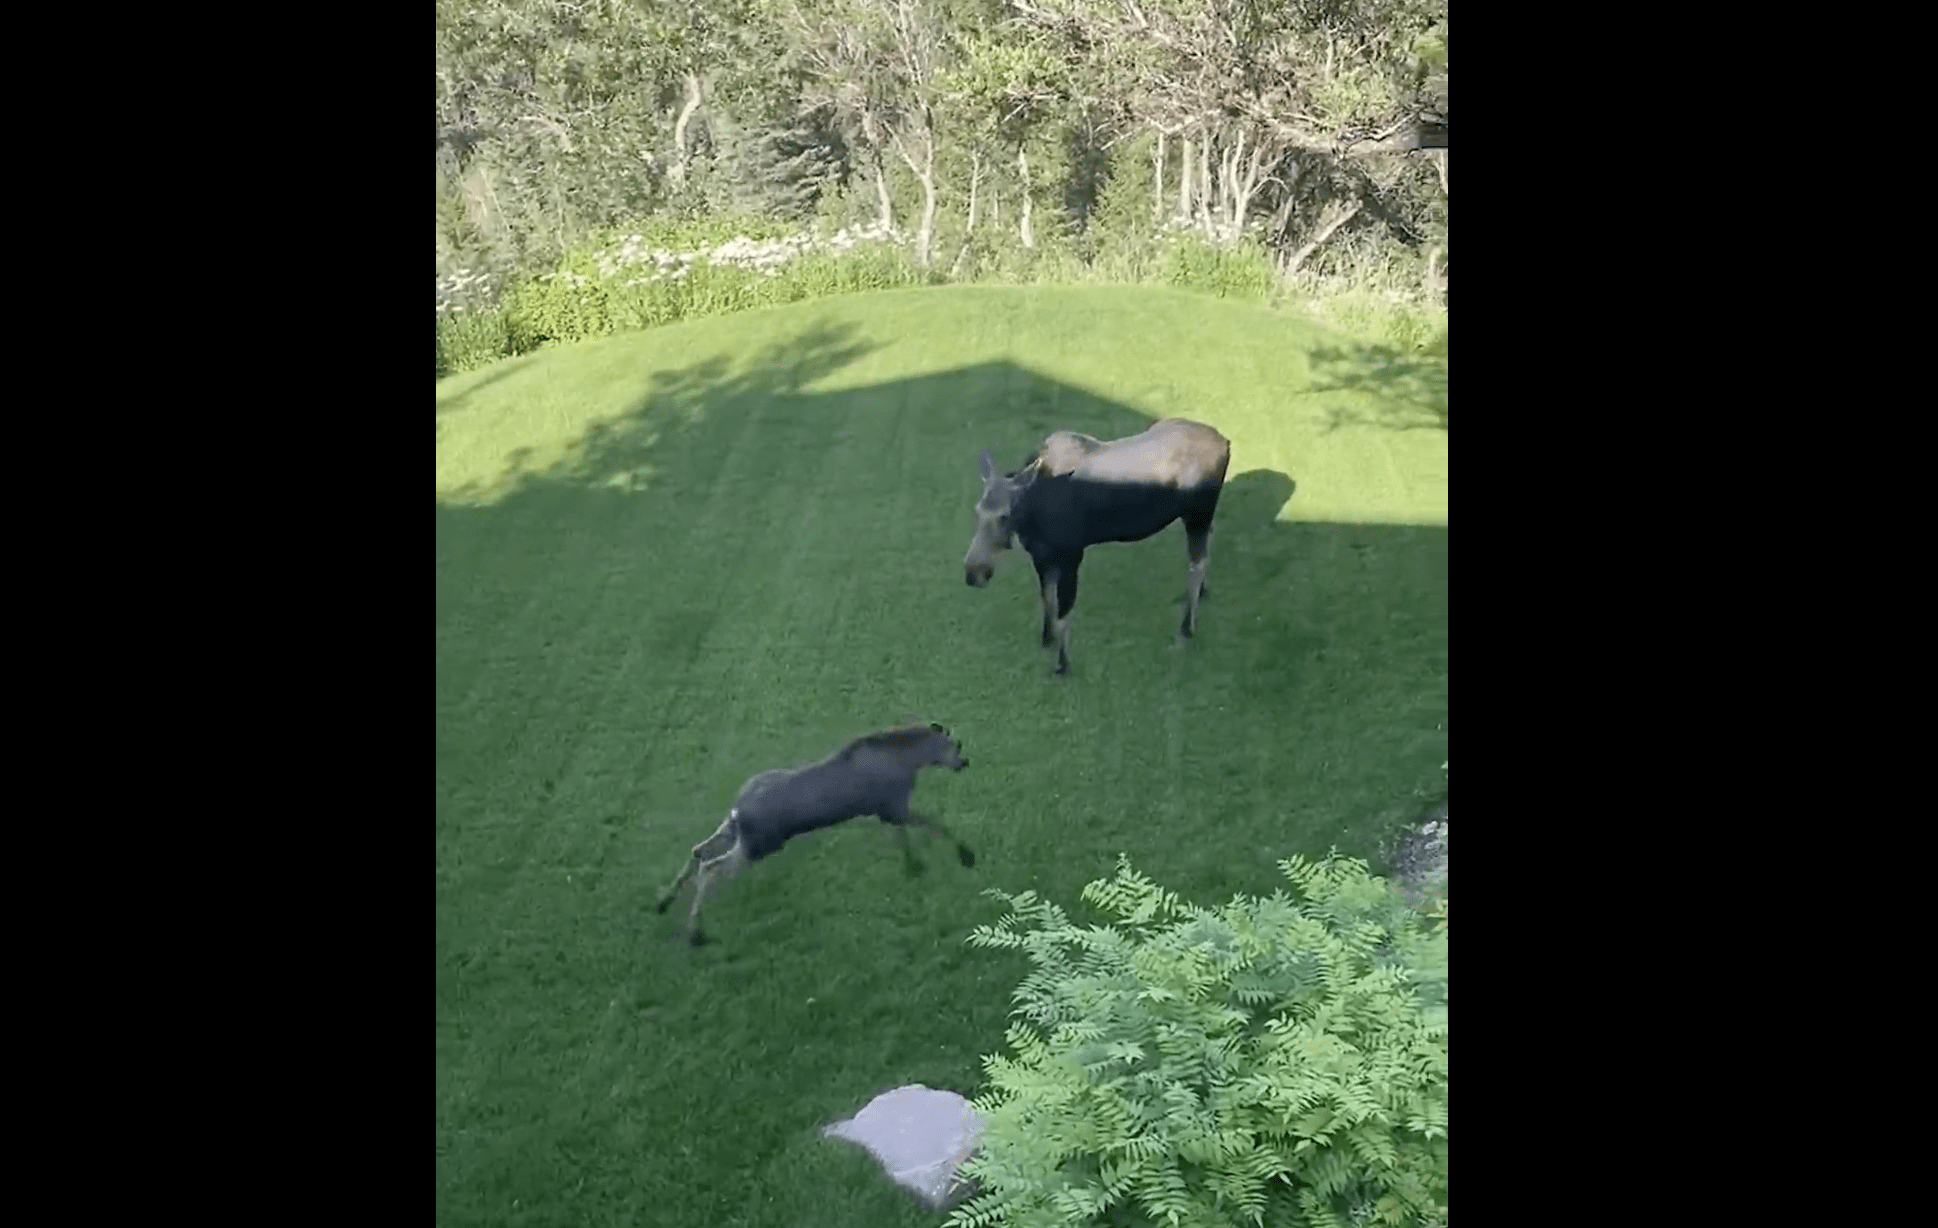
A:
[938,728]
[987,464]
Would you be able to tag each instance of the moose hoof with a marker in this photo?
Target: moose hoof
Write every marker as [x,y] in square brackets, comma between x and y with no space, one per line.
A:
[914,869]
[697,939]
[1184,629]
[966,857]
[661,906]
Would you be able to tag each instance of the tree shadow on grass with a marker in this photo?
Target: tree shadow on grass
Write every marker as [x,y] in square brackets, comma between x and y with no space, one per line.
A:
[503,370]
[623,452]
[1385,386]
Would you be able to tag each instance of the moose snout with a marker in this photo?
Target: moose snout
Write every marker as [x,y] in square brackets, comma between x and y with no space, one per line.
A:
[976,576]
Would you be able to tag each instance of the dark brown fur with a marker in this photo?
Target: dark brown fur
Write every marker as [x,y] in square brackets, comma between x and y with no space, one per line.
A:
[873,774]
[1078,491]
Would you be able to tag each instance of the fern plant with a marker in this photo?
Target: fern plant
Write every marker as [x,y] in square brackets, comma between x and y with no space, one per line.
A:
[1276,1061]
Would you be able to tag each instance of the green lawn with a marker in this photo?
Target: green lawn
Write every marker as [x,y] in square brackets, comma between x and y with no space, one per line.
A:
[669,560]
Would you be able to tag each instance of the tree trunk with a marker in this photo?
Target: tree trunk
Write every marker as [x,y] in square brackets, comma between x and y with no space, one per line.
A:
[1433,274]
[887,217]
[1227,179]
[1284,214]
[926,234]
[924,175]
[1325,232]
[1228,185]
[1246,176]
[1241,206]
[1157,180]
[1184,182]
[1023,163]
[679,127]
[1202,204]
[1439,157]
[975,181]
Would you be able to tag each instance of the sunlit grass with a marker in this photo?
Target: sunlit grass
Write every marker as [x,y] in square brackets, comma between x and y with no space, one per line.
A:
[1292,395]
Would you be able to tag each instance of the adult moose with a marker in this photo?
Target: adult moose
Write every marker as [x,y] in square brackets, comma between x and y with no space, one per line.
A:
[1078,491]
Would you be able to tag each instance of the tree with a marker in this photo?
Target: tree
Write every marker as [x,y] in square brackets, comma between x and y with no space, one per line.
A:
[703,41]
[1287,119]
[1004,88]
[878,63]
[1260,93]
[546,115]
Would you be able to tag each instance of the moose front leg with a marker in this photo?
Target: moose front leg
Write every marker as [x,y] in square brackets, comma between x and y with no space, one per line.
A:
[1046,580]
[1066,600]
[910,861]
[723,840]
[963,854]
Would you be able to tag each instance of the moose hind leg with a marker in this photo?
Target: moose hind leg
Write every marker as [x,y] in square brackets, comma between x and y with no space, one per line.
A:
[686,872]
[1197,545]
[693,934]
[723,840]
[724,866]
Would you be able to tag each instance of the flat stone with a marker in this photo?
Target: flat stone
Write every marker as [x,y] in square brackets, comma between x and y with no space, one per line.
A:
[920,1136]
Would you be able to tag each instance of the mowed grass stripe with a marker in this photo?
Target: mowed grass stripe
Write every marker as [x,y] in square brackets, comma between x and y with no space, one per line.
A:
[684,605]
[531,892]
[544,694]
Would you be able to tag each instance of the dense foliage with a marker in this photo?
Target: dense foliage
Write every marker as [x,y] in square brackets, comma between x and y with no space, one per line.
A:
[982,131]
[1279,1061]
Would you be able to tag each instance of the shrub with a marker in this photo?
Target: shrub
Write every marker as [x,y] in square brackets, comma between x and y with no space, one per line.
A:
[634,281]
[1274,1061]
[1241,271]
[469,340]
[570,304]
[671,268]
